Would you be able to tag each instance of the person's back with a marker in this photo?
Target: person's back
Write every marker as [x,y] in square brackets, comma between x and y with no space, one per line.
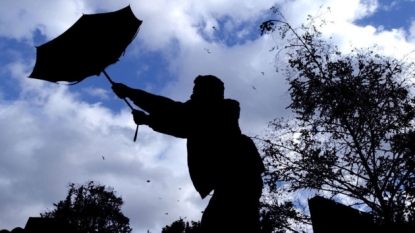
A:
[213,131]
[234,206]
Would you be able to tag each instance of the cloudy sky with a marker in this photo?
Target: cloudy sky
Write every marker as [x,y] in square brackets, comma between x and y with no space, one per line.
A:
[52,134]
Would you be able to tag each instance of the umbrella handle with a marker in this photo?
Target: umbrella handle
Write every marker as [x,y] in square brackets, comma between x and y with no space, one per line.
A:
[135,135]
[129,105]
[112,82]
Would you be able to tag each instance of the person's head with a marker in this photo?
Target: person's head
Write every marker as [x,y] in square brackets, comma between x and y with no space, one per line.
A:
[208,87]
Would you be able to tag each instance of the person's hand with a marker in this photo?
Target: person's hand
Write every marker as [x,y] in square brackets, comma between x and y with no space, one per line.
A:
[140,117]
[121,90]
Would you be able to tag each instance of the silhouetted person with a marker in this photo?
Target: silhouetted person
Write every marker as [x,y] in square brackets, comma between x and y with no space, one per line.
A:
[220,157]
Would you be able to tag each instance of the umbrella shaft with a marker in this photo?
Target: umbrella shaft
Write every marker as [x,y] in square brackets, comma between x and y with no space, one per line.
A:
[108,77]
[135,135]
[129,105]
[112,82]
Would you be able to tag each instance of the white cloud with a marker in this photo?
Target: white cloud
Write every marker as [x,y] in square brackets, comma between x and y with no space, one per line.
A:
[56,138]
[20,19]
[390,6]
[97,92]
[345,34]
[341,11]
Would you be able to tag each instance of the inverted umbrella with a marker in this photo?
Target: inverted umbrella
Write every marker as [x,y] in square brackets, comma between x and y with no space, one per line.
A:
[94,42]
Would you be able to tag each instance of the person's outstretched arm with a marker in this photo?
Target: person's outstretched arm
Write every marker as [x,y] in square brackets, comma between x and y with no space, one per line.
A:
[165,115]
[153,104]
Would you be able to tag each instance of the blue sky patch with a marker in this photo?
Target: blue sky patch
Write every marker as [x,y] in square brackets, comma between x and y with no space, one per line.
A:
[231,31]
[390,15]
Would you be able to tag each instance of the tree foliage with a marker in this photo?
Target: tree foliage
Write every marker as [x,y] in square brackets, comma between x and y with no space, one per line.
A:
[91,208]
[353,133]
[180,226]
[269,221]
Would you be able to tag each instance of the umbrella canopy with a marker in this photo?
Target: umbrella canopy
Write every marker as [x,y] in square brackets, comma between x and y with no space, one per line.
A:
[94,42]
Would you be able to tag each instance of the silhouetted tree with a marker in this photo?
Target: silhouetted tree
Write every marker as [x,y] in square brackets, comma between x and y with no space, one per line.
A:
[353,134]
[277,216]
[275,219]
[180,226]
[91,208]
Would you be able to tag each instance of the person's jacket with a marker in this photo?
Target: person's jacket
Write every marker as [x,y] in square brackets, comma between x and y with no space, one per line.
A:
[217,151]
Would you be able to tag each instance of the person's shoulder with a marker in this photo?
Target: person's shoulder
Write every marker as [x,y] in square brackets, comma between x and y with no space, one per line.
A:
[231,102]
[231,107]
